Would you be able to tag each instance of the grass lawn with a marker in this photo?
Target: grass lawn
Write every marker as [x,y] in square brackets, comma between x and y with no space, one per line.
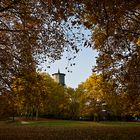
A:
[69,130]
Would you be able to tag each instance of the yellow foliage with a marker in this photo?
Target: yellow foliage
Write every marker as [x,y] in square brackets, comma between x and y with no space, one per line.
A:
[99,37]
[138,41]
[90,18]
[19,26]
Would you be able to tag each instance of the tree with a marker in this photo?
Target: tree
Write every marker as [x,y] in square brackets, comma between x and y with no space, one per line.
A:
[5,107]
[72,103]
[54,102]
[40,97]
[21,30]
[33,32]
[133,83]
[97,96]
[115,26]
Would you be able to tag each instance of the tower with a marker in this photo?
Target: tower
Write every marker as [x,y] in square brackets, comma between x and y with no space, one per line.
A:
[59,77]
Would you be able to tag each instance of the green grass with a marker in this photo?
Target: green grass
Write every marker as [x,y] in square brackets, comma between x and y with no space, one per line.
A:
[70,130]
[78,123]
[121,124]
[55,123]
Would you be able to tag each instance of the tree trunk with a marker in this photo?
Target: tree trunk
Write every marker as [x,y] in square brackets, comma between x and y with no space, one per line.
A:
[36,113]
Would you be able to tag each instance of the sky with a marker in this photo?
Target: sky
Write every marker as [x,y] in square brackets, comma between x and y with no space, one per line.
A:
[84,62]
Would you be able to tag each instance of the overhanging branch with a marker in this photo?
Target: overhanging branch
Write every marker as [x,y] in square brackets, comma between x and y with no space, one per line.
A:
[2,9]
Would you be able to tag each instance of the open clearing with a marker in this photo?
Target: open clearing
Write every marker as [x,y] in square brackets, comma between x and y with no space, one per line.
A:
[69,130]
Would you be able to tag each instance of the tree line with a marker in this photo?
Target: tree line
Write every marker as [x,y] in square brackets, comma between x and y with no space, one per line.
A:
[93,99]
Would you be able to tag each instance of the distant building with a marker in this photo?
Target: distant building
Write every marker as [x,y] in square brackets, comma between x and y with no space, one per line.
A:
[59,77]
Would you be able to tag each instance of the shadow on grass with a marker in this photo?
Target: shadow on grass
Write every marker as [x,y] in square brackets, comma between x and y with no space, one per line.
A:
[70,130]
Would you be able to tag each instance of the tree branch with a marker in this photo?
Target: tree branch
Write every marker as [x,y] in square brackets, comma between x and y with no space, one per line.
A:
[2,9]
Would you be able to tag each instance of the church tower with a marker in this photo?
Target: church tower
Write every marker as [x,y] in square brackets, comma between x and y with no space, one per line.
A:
[59,77]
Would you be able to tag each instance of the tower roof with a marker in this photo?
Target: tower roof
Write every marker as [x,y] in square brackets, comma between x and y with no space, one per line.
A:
[58,73]
[58,70]
[59,77]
